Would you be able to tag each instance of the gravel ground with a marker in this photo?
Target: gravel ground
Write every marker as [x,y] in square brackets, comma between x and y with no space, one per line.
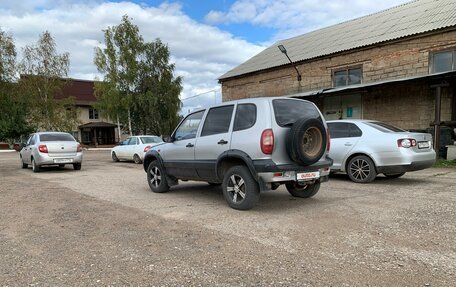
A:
[101,226]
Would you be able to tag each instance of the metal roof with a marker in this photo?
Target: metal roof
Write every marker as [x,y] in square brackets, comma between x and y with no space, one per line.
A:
[409,19]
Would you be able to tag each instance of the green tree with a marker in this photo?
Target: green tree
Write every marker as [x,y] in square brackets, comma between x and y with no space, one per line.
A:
[13,110]
[43,72]
[139,88]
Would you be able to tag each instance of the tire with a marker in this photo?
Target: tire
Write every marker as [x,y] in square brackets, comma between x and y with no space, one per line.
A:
[35,167]
[303,191]
[361,169]
[137,159]
[24,165]
[156,177]
[394,175]
[306,142]
[240,189]
[77,166]
[114,156]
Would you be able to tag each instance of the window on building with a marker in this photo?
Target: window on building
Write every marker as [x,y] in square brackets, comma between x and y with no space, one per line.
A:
[93,114]
[346,77]
[443,62]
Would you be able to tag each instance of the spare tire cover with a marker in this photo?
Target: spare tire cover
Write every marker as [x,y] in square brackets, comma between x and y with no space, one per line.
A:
[306,142]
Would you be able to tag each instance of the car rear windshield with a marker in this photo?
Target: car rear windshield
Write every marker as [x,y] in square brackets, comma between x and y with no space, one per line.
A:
[384,127]
[56,138]
[288,111]
[147,140]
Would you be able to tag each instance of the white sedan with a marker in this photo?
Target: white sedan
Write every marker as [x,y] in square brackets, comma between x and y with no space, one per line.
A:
[364,148]
[134,148]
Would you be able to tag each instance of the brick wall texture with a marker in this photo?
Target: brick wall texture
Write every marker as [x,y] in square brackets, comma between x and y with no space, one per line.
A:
[409,105]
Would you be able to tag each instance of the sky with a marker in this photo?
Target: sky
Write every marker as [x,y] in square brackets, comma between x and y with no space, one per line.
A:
[206,38]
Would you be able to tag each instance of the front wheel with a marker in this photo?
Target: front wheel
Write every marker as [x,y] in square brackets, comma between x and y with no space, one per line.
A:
[240,189]
[24,165]
[303,190]
[156,177]
[114,156]
[361,169]
[394,175]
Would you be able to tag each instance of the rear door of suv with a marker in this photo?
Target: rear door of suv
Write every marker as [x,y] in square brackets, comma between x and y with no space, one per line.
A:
[213,141]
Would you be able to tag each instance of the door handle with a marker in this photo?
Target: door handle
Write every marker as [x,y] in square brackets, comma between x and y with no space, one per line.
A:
[348,144]
[189,145]
[222,142]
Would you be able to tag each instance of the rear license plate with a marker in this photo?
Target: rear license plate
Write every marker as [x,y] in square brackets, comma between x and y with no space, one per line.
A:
[63,160]
[423,144]
[307,175]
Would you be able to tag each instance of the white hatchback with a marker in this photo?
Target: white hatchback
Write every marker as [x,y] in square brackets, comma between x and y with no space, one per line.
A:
[134,148]
[364,148]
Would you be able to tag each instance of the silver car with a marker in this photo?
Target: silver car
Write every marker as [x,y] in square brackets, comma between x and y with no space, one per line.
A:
[51,148]
[364,148]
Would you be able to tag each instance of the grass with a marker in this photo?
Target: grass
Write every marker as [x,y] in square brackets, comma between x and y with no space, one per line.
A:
[445,163]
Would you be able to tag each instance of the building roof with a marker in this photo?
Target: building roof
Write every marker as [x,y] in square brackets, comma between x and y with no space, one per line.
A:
[97,125]
[406,20]
[82,90]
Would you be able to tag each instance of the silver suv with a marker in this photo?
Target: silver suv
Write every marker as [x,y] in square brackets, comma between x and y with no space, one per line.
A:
[247,146]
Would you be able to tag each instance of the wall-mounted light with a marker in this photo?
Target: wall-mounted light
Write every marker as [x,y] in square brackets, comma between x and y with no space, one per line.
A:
[283,50]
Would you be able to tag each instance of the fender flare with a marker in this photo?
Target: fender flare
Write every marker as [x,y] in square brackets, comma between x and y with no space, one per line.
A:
[237,154]
[150,156]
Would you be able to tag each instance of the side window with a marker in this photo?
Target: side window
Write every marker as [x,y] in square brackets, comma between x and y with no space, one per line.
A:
[355,131]
[29,141]
[217,121]
[33,140]
[189,127]
[339,130]
[126,142]
[133,141]
[245,117]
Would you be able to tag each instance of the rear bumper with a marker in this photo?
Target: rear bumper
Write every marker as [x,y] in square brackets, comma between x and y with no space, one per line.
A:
[269,172]
[45,159]
[417,165]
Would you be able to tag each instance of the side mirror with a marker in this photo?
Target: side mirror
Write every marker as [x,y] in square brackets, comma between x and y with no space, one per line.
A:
[168,139]
[23,145]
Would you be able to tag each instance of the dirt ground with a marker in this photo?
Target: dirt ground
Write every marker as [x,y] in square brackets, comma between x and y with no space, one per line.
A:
[102,226]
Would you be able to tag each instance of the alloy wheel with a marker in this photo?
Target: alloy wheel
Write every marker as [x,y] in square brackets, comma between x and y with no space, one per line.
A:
[236,188]
[360,169]
[155,178]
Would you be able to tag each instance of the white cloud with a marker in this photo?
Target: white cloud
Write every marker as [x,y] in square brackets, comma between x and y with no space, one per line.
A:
[291,18]
[201,52]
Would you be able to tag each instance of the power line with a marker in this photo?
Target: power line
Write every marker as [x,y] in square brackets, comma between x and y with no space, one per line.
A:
[211,91]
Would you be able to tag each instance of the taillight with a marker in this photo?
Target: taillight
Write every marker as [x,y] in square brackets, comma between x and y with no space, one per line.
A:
[267,141]
[43,148]
[406,143]
[328,144]
[79,148]
[147,148]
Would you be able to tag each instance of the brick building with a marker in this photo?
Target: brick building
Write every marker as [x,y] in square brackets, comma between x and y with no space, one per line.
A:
[397,66]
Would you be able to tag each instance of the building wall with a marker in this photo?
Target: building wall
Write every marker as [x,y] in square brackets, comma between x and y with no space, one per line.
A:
[394,60]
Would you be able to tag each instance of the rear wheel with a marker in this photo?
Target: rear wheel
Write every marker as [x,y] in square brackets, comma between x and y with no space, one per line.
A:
[35,167]
[240,189]
[77,166]
[361,169]
[156,177]
[137,159]
[307,141]
[114,156]
[303,190]
[394,175]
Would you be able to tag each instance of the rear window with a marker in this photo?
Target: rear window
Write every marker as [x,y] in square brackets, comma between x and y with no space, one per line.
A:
[288,111]
[57,138]
[147,140]
[384,127]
